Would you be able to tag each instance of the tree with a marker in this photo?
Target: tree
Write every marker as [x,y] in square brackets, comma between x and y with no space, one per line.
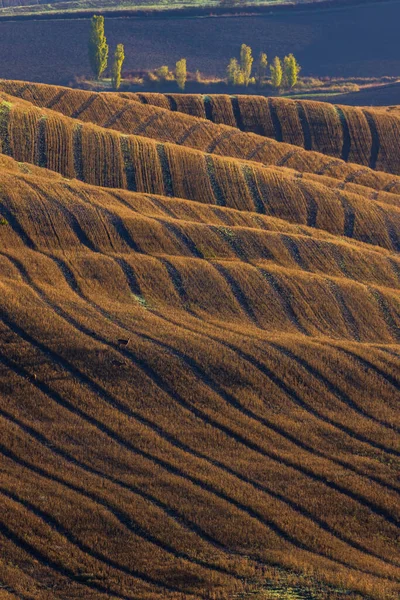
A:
[246,63]
[163,73]
[98,48]
[261,68]
[233,71]
[276,73]
[119,58]
[291,70]
[180,73]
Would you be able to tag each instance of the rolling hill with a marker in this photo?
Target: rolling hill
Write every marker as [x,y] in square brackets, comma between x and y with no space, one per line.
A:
[199,348]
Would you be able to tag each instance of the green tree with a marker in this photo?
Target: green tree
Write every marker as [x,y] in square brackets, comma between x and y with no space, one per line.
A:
[163,73]
[276,73]
[119,58]
[246,63]
[261,68]
[98,48]
[180,73]
[291,70]
[233,71]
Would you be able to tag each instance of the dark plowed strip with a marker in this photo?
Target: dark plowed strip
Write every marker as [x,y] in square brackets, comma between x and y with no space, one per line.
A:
[386,312]
[257,149]
[218,193]
[22,90]
[285,300]
[294,251]
[275,120]
[56,98]
[84,106]
[189,132]
[208,109]
[237,113]
[73,221]
[335,391]
[375,139]
[165,209]
[228,235]
[305,126]
[116,221]
[346,134]
[390,186]
[78,158]
[143,126]
[287,157]
[225,135]
[393,381]
[312,205]
[128,164]
[346,312]
[393,231]
[166,171]
[5,110]
[14,223]
[248,174]
[328,165]
[41,143]
[183,238]
[352,177]
[177,281]
[115,117]
[395,267]
[349,217]
[172,102]
[237,292]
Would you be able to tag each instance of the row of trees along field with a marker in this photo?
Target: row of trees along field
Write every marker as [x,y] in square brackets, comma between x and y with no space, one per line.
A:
[282,74]
[98,57]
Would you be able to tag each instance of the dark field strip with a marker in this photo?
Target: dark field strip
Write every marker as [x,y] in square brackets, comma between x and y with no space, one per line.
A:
[198,354]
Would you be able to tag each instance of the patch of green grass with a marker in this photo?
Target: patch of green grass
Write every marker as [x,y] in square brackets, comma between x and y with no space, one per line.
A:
[141,300]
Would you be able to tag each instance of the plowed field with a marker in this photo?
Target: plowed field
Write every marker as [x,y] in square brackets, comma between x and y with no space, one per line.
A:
[199,348]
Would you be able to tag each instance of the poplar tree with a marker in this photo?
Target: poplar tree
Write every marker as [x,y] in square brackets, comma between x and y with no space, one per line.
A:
[98,48]
[119,58]
[233,71]
[262,67]
[180,73]
[276,73]
[246,63]
[292,70]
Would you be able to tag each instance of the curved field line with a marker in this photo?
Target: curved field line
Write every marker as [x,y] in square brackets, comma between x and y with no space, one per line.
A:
[55,565]
[249,511]
[172,513]
[269,425]
[55,525]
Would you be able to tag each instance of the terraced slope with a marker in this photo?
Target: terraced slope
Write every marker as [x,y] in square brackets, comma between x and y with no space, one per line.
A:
[198,368]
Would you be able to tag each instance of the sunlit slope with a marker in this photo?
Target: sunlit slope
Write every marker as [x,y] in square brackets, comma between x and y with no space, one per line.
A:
[198,381]
[131,117]
[106,157]
[360,135]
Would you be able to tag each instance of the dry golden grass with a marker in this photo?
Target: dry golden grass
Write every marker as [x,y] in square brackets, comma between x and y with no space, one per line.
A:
[199,357]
